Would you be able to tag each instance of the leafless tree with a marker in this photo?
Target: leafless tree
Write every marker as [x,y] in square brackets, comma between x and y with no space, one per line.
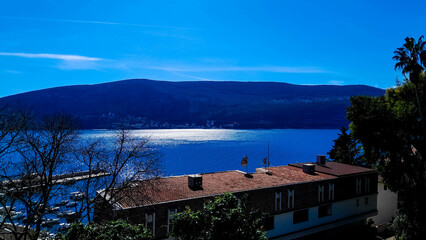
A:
[40,153]
[12,123]
[126,160]
[40,158]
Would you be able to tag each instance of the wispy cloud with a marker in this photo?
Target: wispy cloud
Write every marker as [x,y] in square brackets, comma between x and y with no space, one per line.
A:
[191,76]
[12,71]
[93,22]
[278,69]
[66,61]
[336,82]
[64,57]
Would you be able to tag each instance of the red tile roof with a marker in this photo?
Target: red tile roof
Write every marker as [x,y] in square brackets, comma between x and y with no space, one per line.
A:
[176,188]
[337,169]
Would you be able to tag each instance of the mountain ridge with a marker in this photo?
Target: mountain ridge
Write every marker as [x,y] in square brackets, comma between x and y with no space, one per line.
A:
[144,103]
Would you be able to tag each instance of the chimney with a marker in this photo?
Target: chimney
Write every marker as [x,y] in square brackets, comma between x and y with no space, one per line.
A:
[195,181]
[321,160]
[309,168]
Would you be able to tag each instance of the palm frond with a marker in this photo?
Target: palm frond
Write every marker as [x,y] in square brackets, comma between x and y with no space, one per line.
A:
[420,39]
[409,43]
[399,65]
[423,58]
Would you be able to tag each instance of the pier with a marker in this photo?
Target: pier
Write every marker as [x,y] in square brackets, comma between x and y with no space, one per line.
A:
[33,181]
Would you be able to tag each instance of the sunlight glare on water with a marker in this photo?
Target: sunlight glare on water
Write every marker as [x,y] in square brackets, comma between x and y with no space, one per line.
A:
[192,135]
[188,151]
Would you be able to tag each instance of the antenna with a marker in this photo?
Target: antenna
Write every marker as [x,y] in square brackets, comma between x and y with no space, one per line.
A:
[244,162]
[266,162]
[269,163]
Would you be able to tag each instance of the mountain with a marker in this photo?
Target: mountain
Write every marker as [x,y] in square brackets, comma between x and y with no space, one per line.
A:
[142,103]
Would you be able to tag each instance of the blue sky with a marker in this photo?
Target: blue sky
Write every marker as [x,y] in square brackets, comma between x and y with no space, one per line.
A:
[50,43]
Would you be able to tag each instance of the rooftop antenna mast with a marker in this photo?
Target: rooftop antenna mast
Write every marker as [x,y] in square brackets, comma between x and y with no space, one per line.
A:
[269,162]
[266,161]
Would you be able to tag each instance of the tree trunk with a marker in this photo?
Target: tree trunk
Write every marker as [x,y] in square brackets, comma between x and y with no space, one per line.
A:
[419,105]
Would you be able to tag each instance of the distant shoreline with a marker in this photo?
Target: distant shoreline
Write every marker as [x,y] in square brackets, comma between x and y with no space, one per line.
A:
[115,129]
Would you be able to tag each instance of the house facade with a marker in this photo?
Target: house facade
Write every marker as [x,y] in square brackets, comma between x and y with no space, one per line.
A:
[302,199]
[387,205]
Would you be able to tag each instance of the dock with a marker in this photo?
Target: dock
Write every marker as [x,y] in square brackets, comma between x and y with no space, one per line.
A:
[32,182]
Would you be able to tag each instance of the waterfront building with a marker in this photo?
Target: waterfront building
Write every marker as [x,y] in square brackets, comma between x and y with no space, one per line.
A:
[302,199]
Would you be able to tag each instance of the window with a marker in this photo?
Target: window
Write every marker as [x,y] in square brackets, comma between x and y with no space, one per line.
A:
[300,216]
[367,184]
[277,201]
[366,200]
[357,202]
[150,221]
[320,193]
[331,191]
[290,199]
[324,211]
[269,223]
[170,215]
[358,186]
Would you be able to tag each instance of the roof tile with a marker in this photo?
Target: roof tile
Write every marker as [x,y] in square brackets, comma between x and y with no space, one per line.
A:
[337,169]
[176,188]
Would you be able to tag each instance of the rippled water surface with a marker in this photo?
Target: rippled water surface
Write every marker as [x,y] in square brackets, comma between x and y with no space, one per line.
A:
[188,151]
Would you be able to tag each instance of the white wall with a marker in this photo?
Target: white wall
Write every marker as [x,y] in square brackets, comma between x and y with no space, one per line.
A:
[387,204]
[283,223]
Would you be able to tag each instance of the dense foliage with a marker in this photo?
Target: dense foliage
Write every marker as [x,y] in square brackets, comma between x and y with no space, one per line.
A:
[223,218]
[392,132]
[114,230]
[346,149]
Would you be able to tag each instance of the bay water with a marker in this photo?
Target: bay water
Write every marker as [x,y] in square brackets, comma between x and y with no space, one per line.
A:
[191,151]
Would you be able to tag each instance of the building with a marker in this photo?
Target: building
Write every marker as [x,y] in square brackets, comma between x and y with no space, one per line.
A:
[387,205]
[302,199]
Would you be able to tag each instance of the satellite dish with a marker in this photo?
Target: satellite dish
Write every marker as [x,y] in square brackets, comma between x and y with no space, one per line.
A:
[264,161]
[244,161]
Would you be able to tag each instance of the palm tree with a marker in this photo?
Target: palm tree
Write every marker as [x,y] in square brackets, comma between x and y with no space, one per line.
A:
[411,59]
